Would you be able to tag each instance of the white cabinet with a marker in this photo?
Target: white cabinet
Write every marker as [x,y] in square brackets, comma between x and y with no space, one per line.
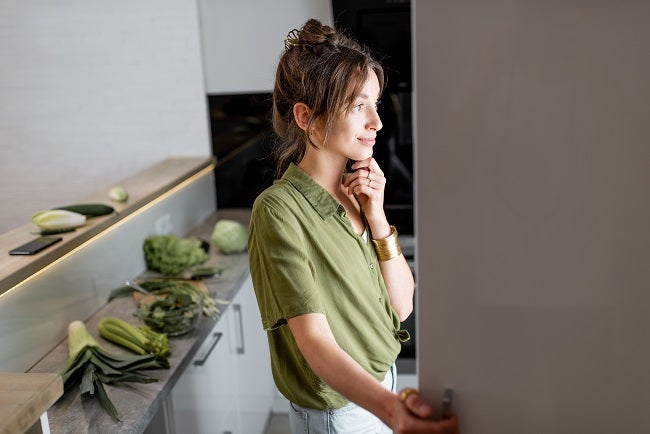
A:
[228,388]
[254,378]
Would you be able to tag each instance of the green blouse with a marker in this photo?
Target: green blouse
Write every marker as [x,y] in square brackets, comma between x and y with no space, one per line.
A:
[306,258]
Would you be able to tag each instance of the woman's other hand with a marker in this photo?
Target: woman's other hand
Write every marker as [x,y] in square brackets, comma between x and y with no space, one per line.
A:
[414,415]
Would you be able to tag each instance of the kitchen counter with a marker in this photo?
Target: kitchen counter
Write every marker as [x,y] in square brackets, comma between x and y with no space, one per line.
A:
[138,403]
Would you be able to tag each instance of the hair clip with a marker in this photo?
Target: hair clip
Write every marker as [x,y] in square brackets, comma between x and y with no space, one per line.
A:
[291,40]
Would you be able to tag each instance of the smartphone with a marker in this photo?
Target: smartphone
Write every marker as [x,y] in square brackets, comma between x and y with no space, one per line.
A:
[35,246]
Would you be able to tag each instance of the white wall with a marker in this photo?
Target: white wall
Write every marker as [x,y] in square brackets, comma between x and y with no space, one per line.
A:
[533,169]
[94,91]
[91,92]
[243,39]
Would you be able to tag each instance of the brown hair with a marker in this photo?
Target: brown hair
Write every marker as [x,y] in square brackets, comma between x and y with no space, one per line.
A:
[324,69]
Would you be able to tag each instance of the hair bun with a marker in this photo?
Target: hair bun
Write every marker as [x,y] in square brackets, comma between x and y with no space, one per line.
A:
[312,33]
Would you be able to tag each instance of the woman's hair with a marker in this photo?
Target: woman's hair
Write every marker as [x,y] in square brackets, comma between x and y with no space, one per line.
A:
[324,69]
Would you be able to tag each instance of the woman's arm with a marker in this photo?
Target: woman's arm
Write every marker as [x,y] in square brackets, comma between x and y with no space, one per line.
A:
[334,366]
[400,285]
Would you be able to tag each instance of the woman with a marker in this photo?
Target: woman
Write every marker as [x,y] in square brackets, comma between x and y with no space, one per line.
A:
[329,276]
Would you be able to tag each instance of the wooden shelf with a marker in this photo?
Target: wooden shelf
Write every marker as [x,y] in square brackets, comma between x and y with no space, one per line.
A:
[154,182]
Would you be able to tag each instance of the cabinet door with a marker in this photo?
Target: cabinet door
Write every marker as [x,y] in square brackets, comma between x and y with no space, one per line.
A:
[204,397]
[254,379]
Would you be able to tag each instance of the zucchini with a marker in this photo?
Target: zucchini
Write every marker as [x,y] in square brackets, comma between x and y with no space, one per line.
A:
[88,209]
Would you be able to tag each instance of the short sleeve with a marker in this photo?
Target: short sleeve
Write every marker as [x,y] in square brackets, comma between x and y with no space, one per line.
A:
[281,271]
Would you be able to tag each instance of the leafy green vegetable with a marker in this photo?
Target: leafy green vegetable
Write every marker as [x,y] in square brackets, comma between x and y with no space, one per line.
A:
[230,236]
[171,255]
[176,310]
[162,286]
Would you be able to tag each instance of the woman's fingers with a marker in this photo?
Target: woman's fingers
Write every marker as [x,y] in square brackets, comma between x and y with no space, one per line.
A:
[417,405]
[370,164]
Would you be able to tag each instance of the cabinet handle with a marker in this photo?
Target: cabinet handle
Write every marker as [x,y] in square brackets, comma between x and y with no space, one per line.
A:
[204,357]
[240,347]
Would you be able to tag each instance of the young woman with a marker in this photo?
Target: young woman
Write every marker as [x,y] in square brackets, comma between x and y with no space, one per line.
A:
[330,280]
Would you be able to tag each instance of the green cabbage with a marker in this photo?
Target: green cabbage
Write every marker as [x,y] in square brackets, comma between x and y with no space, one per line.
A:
[171,255]
[230,236]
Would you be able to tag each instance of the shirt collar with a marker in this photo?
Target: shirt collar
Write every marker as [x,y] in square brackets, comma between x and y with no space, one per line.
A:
[319,198]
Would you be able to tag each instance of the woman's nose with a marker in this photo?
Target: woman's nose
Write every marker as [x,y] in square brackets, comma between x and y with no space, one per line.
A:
[375,121]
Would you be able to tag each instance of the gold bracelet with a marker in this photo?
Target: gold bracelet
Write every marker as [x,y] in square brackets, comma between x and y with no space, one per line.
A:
[388,248]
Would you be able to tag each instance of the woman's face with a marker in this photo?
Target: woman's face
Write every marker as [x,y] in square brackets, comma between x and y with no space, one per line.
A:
[353,133]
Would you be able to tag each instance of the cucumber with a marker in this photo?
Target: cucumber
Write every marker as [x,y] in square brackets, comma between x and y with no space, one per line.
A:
[88,209]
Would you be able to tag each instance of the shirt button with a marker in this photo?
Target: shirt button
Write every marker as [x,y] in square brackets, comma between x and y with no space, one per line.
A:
[372,265]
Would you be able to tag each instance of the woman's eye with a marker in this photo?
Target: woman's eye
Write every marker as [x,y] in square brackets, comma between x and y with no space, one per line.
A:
[358,107]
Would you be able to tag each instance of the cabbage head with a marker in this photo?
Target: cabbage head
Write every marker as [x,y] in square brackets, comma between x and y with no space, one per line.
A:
[171,255]
[230,236]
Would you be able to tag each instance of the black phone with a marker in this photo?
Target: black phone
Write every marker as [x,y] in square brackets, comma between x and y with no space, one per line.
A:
[34,246]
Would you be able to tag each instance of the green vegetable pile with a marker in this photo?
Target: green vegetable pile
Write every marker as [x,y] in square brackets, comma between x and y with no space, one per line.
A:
[175,313]
[171,255]
[176,306]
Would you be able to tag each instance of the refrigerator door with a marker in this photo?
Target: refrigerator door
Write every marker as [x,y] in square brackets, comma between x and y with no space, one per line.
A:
[533,169]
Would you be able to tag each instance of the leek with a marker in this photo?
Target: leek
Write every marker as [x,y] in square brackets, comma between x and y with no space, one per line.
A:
[90,366]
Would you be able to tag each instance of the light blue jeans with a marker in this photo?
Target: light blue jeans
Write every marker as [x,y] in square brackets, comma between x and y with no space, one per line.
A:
[350,419]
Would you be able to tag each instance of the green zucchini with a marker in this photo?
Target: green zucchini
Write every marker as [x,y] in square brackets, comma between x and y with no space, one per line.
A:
[88,209]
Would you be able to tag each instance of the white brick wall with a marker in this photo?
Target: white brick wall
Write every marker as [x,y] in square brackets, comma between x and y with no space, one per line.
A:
[250,34]
[91,92]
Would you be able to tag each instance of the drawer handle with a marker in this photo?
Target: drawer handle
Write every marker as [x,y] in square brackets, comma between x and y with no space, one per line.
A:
[240,347]
[204,357]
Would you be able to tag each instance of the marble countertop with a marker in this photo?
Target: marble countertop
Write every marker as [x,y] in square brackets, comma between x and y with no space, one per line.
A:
[138,403]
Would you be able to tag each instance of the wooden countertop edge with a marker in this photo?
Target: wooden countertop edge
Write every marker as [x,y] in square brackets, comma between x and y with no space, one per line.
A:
[18,268]
[39,391]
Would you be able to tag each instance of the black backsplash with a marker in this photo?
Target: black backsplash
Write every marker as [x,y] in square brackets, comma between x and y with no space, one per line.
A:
[243,142]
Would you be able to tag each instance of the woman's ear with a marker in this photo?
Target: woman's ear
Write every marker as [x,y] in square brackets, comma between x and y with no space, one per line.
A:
[301,114]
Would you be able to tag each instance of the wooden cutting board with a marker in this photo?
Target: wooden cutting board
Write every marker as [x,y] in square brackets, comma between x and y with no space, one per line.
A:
[25,397]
